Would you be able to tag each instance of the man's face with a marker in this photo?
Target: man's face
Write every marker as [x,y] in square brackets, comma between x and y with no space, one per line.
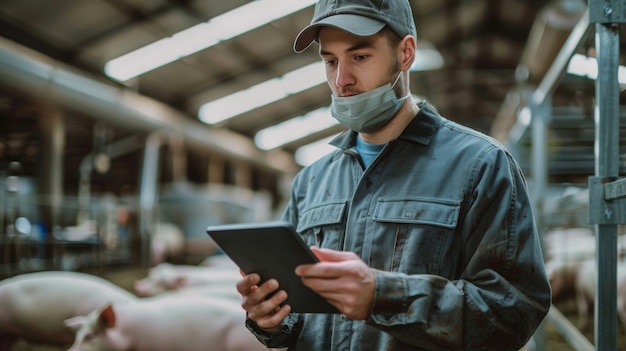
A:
[356,64]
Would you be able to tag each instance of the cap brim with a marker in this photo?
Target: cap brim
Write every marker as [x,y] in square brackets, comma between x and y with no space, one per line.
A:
[358,25]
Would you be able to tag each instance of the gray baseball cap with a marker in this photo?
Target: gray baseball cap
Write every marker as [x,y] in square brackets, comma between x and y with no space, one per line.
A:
[359,17]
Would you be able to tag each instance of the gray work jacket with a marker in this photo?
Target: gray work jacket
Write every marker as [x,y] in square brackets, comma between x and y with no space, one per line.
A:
[443,217]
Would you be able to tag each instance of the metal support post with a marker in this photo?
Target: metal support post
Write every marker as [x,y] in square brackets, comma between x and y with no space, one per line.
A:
[148,195]
[541,115]
[606,211]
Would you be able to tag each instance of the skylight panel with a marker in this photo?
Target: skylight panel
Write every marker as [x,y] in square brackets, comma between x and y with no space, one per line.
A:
[294,129]
[262,94]
[307,154]
[201,36]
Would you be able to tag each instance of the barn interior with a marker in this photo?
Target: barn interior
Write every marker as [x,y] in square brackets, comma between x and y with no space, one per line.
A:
[96,159]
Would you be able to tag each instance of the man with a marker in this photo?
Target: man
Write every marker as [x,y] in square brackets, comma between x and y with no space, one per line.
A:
[423,227]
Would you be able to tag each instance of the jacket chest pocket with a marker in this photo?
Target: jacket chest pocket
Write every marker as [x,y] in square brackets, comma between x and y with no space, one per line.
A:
[322,225]
[413,236]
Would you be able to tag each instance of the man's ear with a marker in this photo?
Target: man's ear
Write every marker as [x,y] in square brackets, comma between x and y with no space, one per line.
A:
[406,52]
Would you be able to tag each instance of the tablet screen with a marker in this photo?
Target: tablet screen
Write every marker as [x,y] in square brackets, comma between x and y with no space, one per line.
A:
[272,250]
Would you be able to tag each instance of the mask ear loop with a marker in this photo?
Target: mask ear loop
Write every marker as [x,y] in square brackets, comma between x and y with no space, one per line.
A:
[396,80]
[394,84]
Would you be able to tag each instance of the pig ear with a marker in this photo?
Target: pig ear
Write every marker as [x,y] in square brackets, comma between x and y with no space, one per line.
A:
[107,317]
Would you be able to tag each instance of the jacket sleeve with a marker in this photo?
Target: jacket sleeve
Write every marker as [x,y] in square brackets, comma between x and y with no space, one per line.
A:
[503,293]
[289,329]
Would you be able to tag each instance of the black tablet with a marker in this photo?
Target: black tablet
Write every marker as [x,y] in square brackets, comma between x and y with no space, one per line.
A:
[273,250]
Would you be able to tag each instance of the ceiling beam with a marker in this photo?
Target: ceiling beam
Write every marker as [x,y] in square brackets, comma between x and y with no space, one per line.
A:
[36,75]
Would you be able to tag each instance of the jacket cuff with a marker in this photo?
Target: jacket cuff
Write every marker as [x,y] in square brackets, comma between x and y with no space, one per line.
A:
[288,331]
[390,298]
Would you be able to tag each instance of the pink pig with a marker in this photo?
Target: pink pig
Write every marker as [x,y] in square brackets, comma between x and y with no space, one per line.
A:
[34,306]
[167,277]
[164,324]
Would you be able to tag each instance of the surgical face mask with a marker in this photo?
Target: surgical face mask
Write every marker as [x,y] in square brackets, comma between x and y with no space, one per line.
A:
[368,111]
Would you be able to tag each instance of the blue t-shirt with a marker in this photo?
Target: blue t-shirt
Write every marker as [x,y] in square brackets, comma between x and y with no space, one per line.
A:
[367,151]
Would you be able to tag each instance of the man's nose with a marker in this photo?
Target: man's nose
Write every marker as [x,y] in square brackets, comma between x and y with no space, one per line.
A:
[344,76]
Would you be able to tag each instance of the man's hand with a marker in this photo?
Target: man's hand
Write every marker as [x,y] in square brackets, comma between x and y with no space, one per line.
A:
[266,313]
[343,279]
